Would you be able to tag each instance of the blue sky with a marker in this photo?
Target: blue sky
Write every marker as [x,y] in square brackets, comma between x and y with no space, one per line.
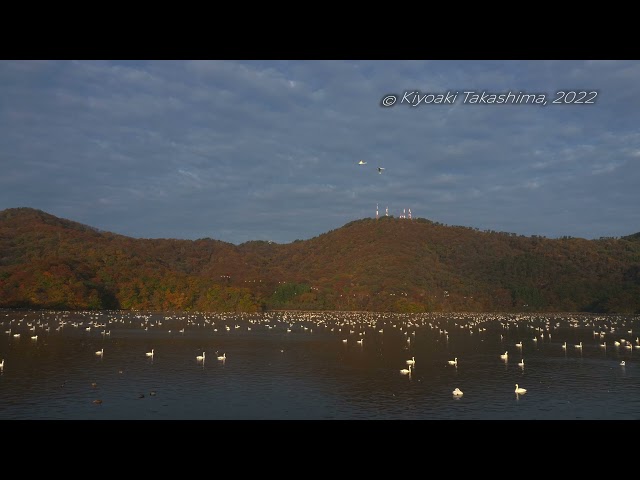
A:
[269,150]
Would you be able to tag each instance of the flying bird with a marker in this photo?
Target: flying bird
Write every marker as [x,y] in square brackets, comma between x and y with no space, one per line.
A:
[362,162]
[380,170]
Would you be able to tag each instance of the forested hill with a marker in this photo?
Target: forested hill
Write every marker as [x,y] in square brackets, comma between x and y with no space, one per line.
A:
[389,264]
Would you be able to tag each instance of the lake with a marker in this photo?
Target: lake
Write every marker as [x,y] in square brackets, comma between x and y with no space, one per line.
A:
[317,366]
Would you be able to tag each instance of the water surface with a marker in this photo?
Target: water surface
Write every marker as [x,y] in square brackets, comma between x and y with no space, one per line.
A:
[311,366]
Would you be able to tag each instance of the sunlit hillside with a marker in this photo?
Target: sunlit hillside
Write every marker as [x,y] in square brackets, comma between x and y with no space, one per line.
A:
[388,264]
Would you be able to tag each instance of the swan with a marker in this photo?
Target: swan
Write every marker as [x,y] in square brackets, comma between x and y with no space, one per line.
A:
[412,361]
[520,390]
[622,363]
[406,371]
[519,344]
[521,364]
[2,364]
[564,345]
[100,352]
[457,392]
[454,362]
[504,356]
[579,346]
[200,358]
[222,357]
[149,354]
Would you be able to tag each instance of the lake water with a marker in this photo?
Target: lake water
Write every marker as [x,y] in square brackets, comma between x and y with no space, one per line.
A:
[310,366]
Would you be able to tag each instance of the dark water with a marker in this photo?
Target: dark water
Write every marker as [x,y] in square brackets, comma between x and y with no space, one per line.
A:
[297,366]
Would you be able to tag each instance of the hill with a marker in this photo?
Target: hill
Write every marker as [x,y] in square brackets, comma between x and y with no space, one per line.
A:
[389,264]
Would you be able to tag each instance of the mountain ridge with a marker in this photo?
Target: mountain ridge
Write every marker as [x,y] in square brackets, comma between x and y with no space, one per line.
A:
[385,264]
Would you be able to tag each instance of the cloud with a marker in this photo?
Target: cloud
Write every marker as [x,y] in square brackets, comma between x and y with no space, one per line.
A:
[241,150]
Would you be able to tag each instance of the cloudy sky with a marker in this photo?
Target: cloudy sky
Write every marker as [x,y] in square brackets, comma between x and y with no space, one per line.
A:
[269,150]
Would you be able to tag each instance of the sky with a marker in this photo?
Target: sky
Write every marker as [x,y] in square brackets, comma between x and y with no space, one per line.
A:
[270,149]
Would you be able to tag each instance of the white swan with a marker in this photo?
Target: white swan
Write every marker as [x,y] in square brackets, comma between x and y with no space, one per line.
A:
[222,357]
[504,356]
[520,390]
[200,358]
[521,364]
[519,344]
[578,346]
[412,361]
[622,363]
[564,345]
[406,371]
[100,352]
[457,392]
[149,354]
[2,364]
[454,362]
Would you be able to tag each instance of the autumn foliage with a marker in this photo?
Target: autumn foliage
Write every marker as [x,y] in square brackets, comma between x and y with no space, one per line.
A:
[388,264]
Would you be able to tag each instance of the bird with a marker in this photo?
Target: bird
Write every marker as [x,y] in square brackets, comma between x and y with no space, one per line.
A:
[200,358]
[519,344]
[454,362]
[2,364]
[564,345]
[406,371]
[380,169]
[521,364]
[149,354]
[362,162]
[412,361]
[100,352]
[579,346]
[504,356]
[457,392]
[222,357]
[520,390]
[622,363]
